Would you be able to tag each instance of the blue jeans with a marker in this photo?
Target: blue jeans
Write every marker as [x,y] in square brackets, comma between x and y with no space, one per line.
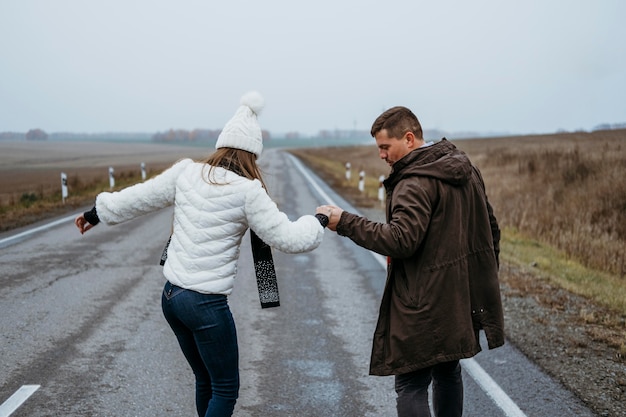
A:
[412,390]
[204,327]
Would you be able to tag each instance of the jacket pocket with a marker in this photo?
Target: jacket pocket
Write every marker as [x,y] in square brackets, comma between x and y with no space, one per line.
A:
[401,285]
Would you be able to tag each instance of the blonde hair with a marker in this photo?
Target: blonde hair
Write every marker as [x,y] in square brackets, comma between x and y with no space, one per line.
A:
[241,162]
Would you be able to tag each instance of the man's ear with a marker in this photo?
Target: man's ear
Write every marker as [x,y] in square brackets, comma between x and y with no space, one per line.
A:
[410,139]
[412,142]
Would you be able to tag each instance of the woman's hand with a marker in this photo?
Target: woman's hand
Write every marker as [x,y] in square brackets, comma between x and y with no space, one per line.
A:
[82,224]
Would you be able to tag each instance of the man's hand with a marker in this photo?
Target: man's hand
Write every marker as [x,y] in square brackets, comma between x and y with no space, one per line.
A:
[333,213]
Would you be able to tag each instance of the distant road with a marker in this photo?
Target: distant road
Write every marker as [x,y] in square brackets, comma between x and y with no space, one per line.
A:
[80,320]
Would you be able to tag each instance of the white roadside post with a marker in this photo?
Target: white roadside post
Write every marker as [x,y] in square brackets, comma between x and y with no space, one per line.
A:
[143,171]
[348,166]
[362,181]
[63,186]
[381,189]
[111,178]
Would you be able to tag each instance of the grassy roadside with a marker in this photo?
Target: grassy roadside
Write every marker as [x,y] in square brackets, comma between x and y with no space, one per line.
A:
[523,251]
[34,206]
[541,260]
[550,268]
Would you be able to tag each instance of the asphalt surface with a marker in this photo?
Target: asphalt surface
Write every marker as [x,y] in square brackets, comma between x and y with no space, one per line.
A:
[80,318]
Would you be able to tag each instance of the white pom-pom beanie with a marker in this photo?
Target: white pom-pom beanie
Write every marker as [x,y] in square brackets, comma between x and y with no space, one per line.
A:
[243,130]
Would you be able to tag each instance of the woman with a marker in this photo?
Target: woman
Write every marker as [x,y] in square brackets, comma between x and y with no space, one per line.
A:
[215,202]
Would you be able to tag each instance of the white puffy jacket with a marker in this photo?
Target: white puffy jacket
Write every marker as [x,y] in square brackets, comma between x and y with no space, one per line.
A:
[209,222]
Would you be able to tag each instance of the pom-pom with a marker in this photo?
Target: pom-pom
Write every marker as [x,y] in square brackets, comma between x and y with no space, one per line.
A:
[254,100]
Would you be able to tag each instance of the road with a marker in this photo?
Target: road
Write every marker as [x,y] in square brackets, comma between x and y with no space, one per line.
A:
[82,333]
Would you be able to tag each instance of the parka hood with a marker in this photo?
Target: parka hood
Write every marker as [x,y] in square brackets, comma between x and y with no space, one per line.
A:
[441,160]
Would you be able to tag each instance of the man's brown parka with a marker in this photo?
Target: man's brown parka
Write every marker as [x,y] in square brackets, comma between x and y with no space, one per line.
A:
[442,242]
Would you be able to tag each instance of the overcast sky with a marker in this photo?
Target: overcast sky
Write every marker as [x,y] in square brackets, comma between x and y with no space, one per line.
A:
[517,66]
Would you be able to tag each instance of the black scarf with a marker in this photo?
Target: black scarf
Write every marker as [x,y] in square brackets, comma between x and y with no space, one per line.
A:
[266,281]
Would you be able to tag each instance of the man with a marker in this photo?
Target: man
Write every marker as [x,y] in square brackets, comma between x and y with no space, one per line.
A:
[442,243]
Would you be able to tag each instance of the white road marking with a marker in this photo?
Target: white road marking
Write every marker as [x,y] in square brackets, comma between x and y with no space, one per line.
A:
[478,374]
[9,240]
[9,406]
[491,388]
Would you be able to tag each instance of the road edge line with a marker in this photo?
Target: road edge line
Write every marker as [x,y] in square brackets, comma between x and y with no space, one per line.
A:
[18,398]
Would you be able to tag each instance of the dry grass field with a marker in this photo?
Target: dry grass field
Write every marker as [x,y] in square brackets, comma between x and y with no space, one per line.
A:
[566,190]
[30,173]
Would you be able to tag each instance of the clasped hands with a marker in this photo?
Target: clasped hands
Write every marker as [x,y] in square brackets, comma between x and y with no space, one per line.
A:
[333,213]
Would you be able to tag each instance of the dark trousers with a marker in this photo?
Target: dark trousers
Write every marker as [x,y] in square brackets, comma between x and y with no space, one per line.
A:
[204,327]
[412,390]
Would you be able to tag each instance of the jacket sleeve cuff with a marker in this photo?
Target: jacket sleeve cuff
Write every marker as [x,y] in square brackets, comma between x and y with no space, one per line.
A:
[323,219]
[342,228]
[92,216]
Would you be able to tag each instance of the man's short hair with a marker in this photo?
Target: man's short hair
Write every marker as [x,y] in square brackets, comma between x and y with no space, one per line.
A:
[397,121]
